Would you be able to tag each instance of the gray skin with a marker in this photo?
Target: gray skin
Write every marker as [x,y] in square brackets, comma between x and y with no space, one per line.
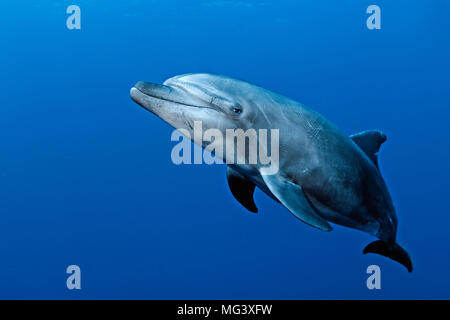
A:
[324,175]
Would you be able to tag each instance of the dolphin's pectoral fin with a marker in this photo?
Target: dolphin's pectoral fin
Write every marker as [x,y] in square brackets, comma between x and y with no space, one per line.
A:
[370,142]
[242,189]
[293,198]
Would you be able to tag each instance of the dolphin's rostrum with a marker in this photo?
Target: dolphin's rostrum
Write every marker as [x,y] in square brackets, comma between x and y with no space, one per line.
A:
[324,176]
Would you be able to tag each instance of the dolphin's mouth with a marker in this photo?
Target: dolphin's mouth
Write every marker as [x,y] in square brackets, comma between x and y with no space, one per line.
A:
[159,92]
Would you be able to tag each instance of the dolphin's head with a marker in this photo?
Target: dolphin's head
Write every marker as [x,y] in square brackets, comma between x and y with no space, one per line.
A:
[218,102]
[218,105]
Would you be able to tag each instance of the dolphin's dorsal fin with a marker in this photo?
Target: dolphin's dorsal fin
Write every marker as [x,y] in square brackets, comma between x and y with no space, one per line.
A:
[292,197]
[370,142]
[242,189]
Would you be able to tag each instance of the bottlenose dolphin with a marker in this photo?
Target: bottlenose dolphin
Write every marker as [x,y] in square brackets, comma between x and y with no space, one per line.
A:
[324,175]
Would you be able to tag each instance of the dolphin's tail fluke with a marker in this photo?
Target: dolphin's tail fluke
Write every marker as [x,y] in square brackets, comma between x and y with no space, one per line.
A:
[390,250]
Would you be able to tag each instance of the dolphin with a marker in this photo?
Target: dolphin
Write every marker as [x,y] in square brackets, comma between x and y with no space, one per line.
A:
[324,175]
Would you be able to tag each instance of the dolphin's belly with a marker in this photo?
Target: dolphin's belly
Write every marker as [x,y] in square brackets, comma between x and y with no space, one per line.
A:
[333,174]
[343,187]
[356,219]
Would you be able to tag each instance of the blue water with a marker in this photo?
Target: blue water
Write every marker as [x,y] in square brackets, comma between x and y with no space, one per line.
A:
[86,174]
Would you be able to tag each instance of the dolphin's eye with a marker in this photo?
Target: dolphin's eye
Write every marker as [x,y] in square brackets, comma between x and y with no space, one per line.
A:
[237,110]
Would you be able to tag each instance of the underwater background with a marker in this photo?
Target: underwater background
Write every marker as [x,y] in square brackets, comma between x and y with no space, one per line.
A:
[86,176]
